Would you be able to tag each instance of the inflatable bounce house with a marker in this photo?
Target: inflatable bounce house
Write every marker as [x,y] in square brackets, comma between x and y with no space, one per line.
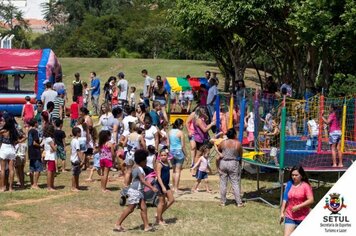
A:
[23,72]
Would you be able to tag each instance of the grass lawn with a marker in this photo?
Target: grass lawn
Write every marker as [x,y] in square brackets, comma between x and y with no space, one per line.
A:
[91,212]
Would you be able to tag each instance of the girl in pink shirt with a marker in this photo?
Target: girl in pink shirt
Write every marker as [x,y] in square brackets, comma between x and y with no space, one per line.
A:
[203,168]
[298,197]
[334,122]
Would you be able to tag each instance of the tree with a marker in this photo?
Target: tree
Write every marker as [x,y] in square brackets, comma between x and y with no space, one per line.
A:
[54,12]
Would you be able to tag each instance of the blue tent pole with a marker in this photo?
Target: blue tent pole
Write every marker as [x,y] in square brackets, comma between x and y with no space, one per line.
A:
[242,119]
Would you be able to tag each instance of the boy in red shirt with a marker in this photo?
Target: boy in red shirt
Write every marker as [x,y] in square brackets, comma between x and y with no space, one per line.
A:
[74,112]
[28,111]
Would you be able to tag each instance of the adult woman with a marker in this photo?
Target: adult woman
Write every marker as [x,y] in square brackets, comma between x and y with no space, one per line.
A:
[334,122]
[201,130]
[229,166]
[297,199]
[177,149]
[190,128]
[150,133]
[108,122]
[141,112]
[8,139]
[161,95]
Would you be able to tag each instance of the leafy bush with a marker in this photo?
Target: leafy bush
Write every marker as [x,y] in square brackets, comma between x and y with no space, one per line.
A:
[343,85]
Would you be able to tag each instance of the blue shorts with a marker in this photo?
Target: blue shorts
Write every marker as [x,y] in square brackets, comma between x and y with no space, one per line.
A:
[178,157]
[73,122]
[292,222]
[96,160]
[36,166]
[335,137]
[201,175]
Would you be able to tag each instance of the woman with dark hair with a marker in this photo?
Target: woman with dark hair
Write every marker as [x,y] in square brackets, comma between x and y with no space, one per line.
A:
[9,137]
[334,122]
[177,149]
[151,133]
[161,95]
[297,199]
[141,112]
[201,130]
[229,166]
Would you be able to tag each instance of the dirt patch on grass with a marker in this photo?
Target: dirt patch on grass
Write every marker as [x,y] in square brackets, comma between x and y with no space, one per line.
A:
[11,214]
[38,200]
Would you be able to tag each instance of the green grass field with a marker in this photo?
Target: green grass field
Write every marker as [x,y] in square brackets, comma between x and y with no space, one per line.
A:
[91,212]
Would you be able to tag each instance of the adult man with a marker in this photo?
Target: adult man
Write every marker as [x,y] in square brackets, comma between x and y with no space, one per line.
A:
[212,93]
[207,75]
[78,89]
[49,95]
[147,87]
[122,84]
[95,92]
[58,111]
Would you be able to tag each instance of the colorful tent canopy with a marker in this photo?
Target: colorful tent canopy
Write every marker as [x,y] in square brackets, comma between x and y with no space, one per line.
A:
[177,84]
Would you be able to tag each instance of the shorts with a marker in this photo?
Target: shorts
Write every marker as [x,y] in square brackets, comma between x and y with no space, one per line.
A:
[73,122]
[201,175]
[160,191]
[89,152]
[7,152]
[36,166]
[51,166]
[129,158]
[96,160]
[292,222]
[105,163]
[250,136]
[20,161]
[198,145]
[335,137]
[135,196]
[76,170]
[189,97]
[61,153]
[162,102]
[178,157]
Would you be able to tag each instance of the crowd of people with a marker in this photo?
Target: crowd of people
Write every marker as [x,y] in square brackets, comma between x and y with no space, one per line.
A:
[133,135]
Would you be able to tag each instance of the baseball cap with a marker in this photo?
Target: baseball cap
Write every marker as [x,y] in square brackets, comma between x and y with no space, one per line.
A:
[61,91]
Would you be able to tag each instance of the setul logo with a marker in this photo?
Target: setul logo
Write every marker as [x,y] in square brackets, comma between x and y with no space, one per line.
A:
[335,204]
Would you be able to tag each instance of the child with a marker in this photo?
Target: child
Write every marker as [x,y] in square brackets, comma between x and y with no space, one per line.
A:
[21,149]
[60,140]
[50,149]
[142,98]
[74,112]
[76,158]
[135,192]
[313,133]
[163,136]
[34,153]
[133,142]
[28,112]
[202,173]
[96,164]
[132,96]
[85,95]
[151,160]
[250,128]
[164,190]
[107,154]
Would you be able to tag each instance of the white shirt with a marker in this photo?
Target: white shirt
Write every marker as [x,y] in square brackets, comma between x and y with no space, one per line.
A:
[213,91]
[314,128]
[75,147]
[150,160]
[127,120]
[123,89]
[50,154]
[150,136]
[132,98]
[251,123]
[148,82]
[48,96]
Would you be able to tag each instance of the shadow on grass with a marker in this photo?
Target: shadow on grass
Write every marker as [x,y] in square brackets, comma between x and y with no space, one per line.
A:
[83,188]
[113,188]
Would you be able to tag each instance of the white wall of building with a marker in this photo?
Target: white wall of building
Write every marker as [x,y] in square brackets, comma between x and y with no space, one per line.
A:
[31,8]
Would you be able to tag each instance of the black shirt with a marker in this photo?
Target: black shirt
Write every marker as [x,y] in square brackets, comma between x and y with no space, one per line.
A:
[77,88]
[34,152]
[59,135]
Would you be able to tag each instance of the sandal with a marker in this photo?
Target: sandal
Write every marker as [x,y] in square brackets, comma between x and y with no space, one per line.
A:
[149,229]
[241,205]
[118,229]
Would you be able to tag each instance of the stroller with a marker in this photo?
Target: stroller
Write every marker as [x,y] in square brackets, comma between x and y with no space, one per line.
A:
[149,196]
